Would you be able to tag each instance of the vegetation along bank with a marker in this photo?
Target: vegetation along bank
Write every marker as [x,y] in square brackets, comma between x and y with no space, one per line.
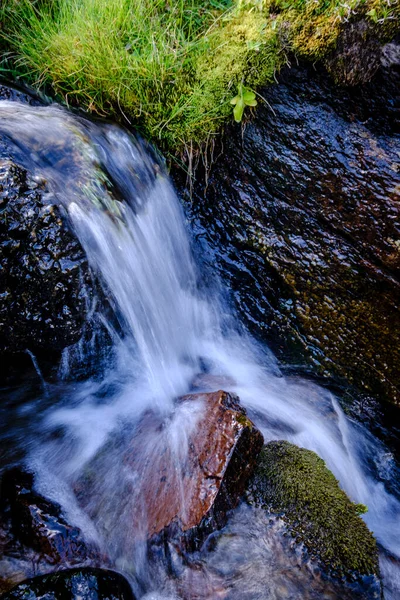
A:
[176,70]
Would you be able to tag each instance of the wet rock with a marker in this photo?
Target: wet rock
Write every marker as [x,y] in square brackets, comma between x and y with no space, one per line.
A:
[296,484]
[255,557]
[35,537]
[222,449]
[44,275]
[21,94]
[177,477]
[74,584]
[357,56]
[301,214]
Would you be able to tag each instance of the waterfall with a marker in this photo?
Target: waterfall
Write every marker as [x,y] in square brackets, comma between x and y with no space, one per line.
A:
[172,328]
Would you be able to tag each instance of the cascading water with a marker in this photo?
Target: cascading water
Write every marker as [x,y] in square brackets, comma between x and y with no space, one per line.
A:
[128,219]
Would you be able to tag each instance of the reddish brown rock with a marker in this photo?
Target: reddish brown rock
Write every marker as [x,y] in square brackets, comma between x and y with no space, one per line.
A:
[211,472]
[176,476]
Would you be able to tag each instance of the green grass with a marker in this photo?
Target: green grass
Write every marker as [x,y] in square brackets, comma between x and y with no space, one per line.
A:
[169,67]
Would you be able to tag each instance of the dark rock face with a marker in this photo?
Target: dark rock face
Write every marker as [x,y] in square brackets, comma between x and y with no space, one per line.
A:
[74,584]
[43,303]
[34,536]
[295,483]
[357,56]
[301,212]
[44,275]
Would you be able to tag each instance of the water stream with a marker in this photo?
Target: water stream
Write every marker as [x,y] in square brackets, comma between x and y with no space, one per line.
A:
[174,330]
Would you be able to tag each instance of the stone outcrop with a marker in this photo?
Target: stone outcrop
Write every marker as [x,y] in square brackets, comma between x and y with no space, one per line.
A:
[191,472]
[45,282]
[43,296]
[295,484]
[301,214]
[74,584]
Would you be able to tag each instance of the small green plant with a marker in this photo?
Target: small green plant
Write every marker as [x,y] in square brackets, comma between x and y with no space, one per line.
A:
[245,97]
[361,509]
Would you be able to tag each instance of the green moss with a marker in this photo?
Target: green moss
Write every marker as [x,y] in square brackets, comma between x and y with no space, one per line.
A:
[295,482]
[170,68]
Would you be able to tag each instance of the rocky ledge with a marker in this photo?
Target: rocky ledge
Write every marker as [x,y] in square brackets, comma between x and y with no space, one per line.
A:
[301,214]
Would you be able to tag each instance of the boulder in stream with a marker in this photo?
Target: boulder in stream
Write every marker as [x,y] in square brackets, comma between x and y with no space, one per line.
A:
[295,484]
[74,584]
[177,477]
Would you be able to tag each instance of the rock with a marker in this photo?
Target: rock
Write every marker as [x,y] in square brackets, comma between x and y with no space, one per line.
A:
[74,584]
[25,95]
[43,299]
[222,450]
[192,470]
[35,537]
[357,55]
[296,484]
[301,215]
[255,557]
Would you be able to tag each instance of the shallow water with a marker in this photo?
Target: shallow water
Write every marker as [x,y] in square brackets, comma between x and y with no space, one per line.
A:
[173,327]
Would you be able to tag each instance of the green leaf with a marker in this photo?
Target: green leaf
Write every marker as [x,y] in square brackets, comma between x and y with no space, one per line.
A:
[251,103]
[238,110]
[235,100]
[248,96]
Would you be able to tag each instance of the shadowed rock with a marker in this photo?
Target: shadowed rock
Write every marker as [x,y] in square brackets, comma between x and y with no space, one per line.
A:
[35,537]
[74,584]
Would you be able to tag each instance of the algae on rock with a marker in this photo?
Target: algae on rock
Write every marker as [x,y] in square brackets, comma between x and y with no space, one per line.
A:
[295,482]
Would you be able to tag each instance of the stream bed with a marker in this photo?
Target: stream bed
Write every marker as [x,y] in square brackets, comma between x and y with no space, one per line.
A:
[165,330]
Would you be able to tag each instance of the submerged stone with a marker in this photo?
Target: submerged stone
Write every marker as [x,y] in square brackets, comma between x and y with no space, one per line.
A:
[295,483]
[174,477]
[74,584]
[35,537]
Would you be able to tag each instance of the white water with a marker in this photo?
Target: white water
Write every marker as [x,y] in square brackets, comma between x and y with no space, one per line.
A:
[172,331]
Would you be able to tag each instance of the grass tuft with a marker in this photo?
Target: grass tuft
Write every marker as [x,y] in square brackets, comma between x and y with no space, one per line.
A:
[168,67]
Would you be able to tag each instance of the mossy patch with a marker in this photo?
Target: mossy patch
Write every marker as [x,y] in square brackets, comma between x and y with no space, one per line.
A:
[171,68]
[296,483]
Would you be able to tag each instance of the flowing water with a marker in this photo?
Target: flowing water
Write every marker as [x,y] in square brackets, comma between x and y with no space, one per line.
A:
[172,327]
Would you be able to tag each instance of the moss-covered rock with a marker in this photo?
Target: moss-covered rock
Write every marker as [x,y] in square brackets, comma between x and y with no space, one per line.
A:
[296,483]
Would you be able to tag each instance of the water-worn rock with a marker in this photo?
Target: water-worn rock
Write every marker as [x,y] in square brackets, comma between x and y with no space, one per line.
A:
[301,212]
[74,584]
[193,469]
[296,484]
[221,453]
[43,273]
[43,302]
[35,537]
